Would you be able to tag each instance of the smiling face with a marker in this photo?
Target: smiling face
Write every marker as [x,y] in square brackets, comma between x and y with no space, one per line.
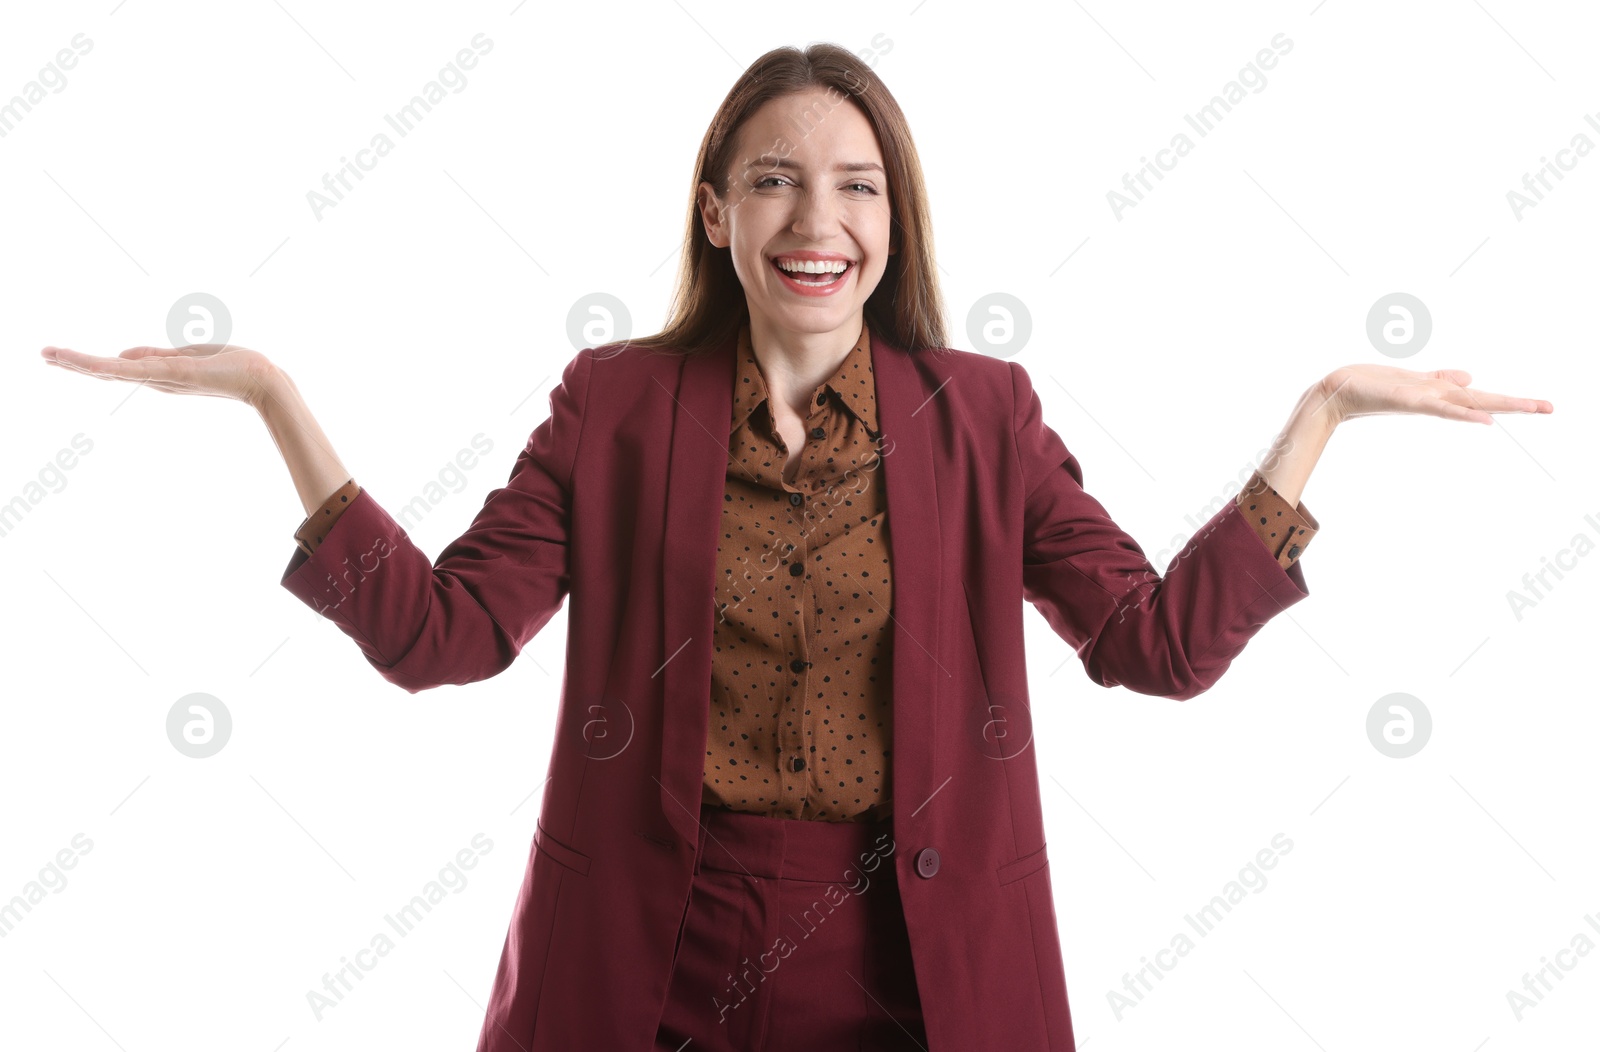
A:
[815,200]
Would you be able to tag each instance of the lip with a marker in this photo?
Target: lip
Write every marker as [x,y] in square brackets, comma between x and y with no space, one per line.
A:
[813,257]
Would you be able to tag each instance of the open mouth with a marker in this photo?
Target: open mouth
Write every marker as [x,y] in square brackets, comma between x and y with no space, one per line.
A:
[813,280]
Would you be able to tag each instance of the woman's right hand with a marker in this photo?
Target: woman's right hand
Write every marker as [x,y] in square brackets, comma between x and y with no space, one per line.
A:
[215,369]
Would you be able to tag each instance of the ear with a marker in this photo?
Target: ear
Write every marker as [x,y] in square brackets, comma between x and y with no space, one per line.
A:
[711,214]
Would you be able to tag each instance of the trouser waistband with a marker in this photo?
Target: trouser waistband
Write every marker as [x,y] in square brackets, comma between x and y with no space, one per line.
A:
[795,849]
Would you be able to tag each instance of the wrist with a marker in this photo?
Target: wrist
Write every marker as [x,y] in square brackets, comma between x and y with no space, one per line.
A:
[1321,404]
[270,389]
[1295,451]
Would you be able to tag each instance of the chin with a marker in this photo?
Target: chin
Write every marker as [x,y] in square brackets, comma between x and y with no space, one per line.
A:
[815,319]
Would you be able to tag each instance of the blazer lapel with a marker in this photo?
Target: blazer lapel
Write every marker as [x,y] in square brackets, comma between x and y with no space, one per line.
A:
[697,475]
[916,552]
[696,479]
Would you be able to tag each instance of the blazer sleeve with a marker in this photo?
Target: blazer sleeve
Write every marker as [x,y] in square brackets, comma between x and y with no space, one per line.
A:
[1170,635]
[466,616]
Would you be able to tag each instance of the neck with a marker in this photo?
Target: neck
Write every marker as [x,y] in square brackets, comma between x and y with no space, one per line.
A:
[794,364]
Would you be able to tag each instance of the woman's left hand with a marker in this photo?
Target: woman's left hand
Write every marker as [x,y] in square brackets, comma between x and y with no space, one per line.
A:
[1366,389]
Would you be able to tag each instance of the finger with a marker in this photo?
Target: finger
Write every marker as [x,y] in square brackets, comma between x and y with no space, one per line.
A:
[68,356]
[159,385]
[98,372]
[150,352]
[1452,410]
[105,368]
[1459,377]
[1492,402]
[70,361]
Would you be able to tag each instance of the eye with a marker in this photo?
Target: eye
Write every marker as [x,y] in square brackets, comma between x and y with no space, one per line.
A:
[869,189]
[763,181]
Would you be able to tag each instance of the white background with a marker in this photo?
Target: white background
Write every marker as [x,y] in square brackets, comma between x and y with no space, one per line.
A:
[430,305]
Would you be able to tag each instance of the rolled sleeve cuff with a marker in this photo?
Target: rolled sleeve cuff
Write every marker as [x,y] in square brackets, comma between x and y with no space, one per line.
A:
[1286,531]
[316,525]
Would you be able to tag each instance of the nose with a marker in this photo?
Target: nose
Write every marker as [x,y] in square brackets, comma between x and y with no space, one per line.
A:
[816,215]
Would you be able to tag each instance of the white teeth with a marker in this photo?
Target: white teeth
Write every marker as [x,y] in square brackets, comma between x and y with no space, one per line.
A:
[832,266]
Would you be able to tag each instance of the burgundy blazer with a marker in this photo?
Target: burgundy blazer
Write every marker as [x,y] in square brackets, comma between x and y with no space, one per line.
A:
[987,510]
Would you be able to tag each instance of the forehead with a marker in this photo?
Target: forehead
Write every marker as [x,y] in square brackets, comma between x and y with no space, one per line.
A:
[817,127]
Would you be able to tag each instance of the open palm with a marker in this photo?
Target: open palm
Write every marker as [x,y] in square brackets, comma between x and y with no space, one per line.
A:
[1366,389]
[216,369]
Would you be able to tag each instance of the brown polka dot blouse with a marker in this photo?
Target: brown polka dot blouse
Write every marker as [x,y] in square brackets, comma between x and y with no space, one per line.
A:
[801,722]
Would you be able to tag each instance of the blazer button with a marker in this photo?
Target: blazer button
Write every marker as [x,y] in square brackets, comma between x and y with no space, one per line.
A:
[927,862]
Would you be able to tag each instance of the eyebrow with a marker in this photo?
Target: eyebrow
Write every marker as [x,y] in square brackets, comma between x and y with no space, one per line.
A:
[784,162]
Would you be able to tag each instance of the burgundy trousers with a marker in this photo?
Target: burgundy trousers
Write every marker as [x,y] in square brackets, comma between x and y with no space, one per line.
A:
[793,940]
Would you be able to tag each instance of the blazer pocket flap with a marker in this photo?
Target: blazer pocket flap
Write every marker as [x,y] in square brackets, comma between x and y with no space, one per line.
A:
[1019,868]
[570,857]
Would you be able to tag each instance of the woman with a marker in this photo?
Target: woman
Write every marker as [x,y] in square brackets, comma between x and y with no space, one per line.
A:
[790,801]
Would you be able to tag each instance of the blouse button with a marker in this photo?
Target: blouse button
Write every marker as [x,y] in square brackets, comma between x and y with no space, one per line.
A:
[818,432]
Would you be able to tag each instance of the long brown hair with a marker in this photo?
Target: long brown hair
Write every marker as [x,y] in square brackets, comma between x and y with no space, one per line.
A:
[905,308]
